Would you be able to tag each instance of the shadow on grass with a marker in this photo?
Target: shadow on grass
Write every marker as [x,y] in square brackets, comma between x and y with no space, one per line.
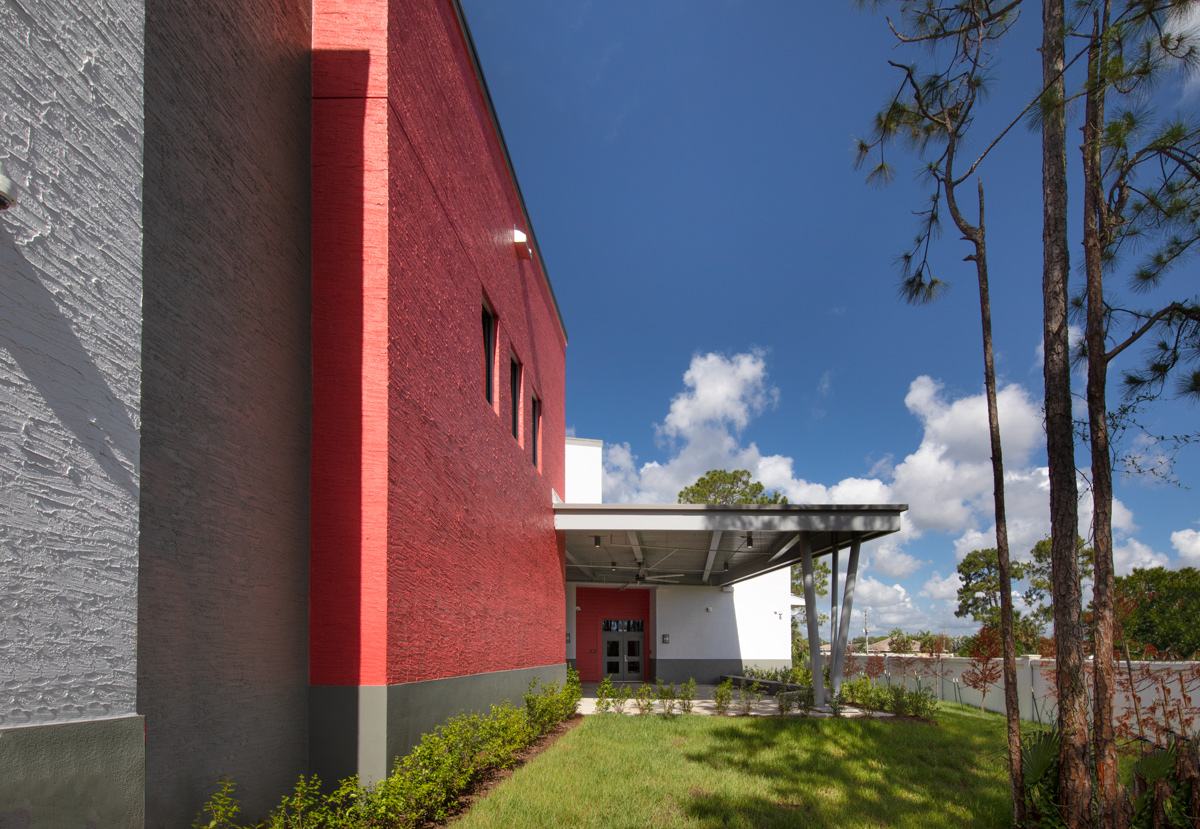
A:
[836,773]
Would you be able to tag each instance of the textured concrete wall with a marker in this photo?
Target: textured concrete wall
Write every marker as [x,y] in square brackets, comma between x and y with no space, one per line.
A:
[222,660]
[73,774]
[70,290]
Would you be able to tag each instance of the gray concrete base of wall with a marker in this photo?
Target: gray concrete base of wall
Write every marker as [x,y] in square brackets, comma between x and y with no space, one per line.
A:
[90,773]
[362,729]
[710,671]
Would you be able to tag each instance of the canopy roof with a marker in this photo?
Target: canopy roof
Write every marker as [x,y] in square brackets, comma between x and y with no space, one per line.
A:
[708,544]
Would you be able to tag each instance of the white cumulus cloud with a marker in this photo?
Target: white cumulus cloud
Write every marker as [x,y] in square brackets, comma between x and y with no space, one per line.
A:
[1187,544]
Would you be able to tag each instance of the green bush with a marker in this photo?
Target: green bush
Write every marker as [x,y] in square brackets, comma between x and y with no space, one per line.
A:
[786,700]
[747,697]
[643,698]
[667,697]
[723,697]
[424,785]
[687,696]
[921,703]
[836,703]
[897,700]
[604,696]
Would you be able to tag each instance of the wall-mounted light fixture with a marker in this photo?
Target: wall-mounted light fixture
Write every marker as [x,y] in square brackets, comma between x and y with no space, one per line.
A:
[749,541]
[666,638]
[613,564]
[595,541]
[727,567]
[521,244]
[568,638]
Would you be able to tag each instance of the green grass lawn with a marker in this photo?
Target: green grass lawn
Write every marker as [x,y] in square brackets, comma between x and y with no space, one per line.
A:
[695,771]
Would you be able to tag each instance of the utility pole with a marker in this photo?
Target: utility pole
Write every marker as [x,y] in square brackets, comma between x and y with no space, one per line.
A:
[866,633]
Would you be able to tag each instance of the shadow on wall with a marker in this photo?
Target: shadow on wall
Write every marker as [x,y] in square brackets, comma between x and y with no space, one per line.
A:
[35,332]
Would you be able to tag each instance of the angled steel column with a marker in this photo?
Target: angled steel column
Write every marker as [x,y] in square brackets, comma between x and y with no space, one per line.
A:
[814,626]
[843,637]
[833,602]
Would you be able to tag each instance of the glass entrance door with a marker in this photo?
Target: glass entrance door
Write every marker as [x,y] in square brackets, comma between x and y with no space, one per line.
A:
[624,656]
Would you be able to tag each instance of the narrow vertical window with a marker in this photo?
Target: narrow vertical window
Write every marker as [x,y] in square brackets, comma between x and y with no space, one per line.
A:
[489,355]
[514,379]
[535,417]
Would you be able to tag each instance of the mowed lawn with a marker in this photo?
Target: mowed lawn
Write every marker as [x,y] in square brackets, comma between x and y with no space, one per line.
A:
[695,771]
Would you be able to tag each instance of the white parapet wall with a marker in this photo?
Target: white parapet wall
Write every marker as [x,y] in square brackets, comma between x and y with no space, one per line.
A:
[585,471]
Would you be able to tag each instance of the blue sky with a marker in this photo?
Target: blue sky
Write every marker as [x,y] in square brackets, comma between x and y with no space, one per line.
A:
[727,282]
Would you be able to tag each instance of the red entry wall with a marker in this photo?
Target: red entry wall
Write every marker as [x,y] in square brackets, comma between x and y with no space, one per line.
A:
[433,545]
[595,605]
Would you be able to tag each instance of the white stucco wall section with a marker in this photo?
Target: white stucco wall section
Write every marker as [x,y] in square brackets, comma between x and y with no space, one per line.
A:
[71,138]
[752,622]
[585,471]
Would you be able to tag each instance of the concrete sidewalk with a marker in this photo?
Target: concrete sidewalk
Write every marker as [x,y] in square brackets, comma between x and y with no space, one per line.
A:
[704,704]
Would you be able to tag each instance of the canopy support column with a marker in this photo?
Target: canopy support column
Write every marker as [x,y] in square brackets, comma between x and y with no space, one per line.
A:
[843,635]
[814,629]
[833,602]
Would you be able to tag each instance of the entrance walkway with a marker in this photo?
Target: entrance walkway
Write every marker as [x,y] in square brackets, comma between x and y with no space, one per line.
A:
[704,704]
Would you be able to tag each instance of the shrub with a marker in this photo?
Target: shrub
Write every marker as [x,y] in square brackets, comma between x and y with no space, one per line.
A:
[806,699]
[857,690]
[723,697]
[836,703]
[747,697]
[897,700]
[604,696]
[643,698]
[786,700]
[921,703]
[666,696]
[424,785]
[542,706]
[619,698]
[687,696]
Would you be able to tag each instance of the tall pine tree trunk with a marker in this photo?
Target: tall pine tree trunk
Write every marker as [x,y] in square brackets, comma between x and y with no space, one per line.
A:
[1095,231]
[1012,709]
[1075,785]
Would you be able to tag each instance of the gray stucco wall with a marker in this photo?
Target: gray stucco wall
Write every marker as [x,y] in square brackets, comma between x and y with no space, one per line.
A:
[72,774]
[223,654]
[363,729]
[70,317]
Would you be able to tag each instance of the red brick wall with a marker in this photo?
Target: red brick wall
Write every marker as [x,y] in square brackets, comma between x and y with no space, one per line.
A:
[458,540]
[599,603]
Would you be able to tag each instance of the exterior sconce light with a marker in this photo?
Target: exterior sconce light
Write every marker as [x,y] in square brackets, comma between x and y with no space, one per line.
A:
[727,567]
[595,541]
[749,541]
[666,638]
[521,244]
[568,638]
[613,565]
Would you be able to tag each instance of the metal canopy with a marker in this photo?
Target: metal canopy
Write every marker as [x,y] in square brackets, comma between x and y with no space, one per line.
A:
[706,544]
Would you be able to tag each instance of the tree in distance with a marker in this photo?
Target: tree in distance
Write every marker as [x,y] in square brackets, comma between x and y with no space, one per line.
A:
[719,486]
